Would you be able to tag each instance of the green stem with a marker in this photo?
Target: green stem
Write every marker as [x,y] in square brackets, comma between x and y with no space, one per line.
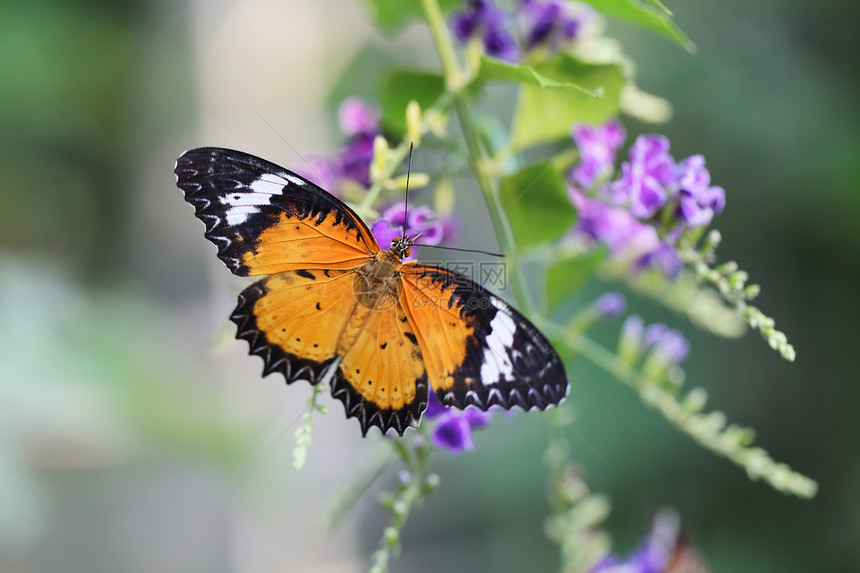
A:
[395,158]
[455,78]
[420,484]
[478,160]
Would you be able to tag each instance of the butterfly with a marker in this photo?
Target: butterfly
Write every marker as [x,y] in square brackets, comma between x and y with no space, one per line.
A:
[334,308]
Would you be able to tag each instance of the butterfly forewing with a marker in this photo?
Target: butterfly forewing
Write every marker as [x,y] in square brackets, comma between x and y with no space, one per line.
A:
[265,219]
[478,350]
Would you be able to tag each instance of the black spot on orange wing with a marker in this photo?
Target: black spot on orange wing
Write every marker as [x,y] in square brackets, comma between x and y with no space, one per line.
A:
[477,349]
[265,219]
[381,380]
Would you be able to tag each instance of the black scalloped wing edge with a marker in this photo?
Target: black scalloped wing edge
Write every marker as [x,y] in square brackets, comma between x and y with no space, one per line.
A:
[293,368]
[203,173]
[275,359]
[545,384]
[369,414]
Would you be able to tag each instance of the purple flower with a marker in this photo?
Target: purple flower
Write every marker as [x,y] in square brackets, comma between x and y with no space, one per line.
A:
[453,432]
[352,162]
[421,220]
[667,341]
[698,201]
[597,146]
[665,258]
[551,22]
[611,304]
[481,18]
[645,178]
[627,238]
[661,551]
[356,117]
[650,557]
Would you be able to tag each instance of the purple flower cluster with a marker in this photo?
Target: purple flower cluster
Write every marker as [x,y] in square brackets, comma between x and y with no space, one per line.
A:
[481,18]
[453,431]
[639,214]
[420,220]
[352,163]
[550,23]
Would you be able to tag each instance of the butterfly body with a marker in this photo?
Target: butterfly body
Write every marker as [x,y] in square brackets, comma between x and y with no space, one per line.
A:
[334,307]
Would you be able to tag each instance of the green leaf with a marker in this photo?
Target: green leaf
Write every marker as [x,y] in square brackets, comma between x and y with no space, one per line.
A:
[566,277]
[493,69]
[389,15]
[400,87]
[545,115]
[536,202]
[657,19]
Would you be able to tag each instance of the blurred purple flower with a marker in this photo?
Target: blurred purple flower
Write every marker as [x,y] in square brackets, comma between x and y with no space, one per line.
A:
[421,220]
[645,178]
[650,557]
[698,201]
[453,432]
[352,162]
[662,551]
[552,22]
[597,146]
[356,117]
[611,304]
[667,341]
[483,19]
[627,238]
[664,258]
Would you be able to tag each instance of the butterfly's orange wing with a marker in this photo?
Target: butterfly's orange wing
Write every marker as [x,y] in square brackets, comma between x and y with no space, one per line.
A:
[293,320]
[381,379]
[478,350]
[265,219]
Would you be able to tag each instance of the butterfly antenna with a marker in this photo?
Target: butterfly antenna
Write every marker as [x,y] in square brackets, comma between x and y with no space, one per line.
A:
[406,199]
[488,253]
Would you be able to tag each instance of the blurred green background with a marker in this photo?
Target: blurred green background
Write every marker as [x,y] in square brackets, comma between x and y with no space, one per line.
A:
[135,435]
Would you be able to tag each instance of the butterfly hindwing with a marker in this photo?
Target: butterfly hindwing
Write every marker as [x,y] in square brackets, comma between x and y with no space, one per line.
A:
[381,379]
[478,350]
[265,219]
[294,319]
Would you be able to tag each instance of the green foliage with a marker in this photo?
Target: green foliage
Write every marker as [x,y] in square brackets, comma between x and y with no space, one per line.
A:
[413,487]
[493,69]
[390,15]
[546,115]
[400,87]
[656,19]
[536,203]
[570,273]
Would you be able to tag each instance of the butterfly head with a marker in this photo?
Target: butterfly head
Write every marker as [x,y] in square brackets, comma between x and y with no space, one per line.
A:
[401,247]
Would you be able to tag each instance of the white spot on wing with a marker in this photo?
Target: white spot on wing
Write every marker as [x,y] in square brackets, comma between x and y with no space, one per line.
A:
[497,361]
[295,180]
[244,201]
[268,184]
